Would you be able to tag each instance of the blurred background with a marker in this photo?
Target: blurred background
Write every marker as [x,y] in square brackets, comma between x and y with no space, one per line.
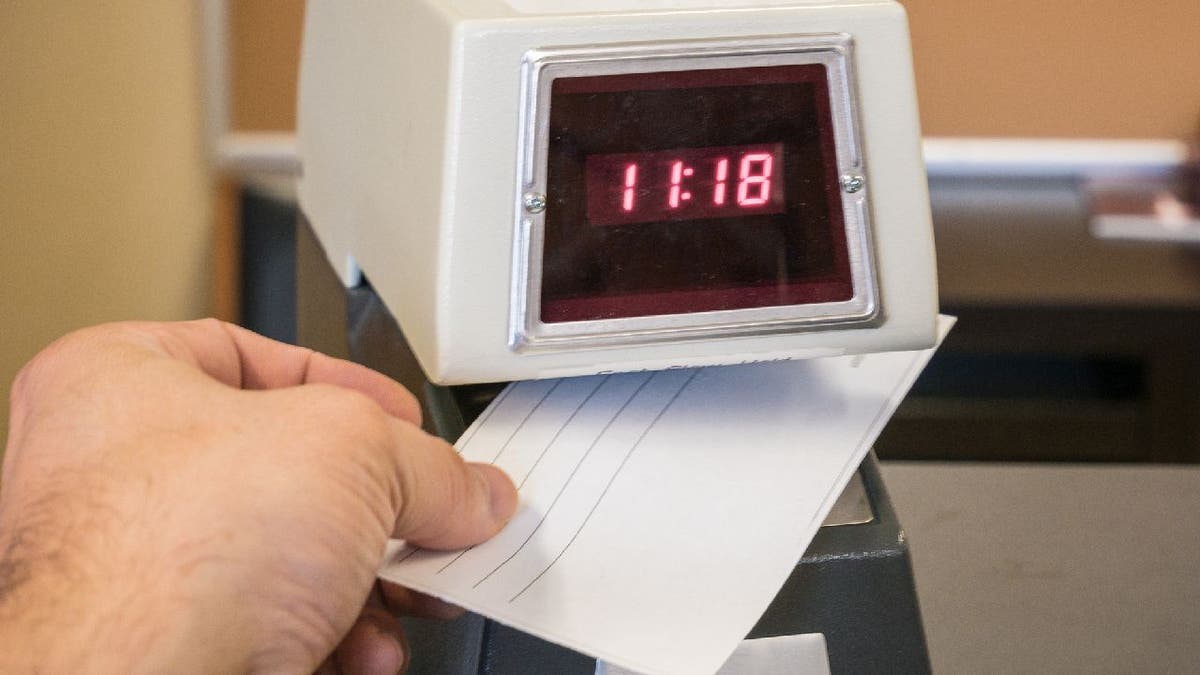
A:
[146,170]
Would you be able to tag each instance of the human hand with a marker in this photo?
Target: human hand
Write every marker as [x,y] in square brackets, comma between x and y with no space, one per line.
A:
[192,497]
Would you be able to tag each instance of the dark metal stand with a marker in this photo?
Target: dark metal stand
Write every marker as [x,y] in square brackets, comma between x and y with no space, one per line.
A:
[854,583]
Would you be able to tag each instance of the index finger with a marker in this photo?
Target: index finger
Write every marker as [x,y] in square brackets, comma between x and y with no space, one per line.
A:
[244,359]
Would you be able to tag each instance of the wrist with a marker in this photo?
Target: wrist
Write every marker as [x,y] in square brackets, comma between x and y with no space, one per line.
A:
[59,614]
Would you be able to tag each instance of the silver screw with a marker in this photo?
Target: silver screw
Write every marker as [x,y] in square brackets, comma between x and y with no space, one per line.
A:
[535,202]
[853,183]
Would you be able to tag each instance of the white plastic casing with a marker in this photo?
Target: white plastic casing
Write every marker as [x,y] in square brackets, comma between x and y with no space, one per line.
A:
[409,127]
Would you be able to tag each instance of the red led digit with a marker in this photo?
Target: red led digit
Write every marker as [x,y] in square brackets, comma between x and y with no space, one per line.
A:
[686,184]
[676,183]
[748,178]
[631,172]
[722,175]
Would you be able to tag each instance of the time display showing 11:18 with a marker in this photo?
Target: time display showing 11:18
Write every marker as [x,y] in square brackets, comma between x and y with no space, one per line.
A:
[685,184]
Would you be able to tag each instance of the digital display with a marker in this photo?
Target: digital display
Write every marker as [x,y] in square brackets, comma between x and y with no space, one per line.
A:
[691,191]
[685,183]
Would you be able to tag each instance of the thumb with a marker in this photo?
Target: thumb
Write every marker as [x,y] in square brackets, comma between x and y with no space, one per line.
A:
[443,502]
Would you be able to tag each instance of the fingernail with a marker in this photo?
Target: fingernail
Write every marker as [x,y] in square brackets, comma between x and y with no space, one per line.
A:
[501,492]
[389,661]
[393,663]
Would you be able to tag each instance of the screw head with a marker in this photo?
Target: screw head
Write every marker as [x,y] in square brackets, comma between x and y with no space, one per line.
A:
[853,183]
[535,202]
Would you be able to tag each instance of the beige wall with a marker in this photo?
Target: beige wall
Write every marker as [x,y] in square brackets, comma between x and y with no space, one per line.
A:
[104,199]
[1069,68]
[264,38]
[1036,68]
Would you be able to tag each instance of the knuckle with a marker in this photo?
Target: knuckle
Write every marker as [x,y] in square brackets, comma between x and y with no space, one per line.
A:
[362,412]
[23,383]
[210,323]
[328,397]
[43,366]
[349,411]
[65,355]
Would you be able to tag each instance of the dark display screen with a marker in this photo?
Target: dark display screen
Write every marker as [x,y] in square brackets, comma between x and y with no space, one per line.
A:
[684,184]
[691,191]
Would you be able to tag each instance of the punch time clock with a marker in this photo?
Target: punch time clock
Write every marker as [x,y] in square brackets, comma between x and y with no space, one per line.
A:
[541,190]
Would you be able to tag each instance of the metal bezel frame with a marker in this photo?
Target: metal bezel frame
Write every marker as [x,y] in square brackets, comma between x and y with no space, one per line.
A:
[543,66]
